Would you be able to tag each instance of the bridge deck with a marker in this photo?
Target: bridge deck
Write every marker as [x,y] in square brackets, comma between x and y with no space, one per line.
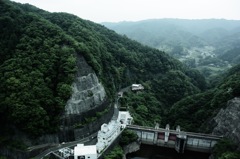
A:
[168,138]
[192,134]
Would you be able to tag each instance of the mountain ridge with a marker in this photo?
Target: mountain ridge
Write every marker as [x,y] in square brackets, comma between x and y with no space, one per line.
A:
[197,43]
[41,64]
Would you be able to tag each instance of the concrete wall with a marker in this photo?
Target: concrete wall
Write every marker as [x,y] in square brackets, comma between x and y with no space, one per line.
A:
[94,126]
[199,144]
[110,148]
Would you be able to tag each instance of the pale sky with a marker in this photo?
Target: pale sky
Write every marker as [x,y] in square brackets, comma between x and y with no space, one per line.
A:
[135,10]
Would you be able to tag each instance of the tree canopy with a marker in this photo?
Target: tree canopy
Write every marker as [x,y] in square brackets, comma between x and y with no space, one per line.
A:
[38,65]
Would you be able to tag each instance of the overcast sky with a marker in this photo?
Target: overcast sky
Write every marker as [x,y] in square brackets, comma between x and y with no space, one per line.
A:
[135,10]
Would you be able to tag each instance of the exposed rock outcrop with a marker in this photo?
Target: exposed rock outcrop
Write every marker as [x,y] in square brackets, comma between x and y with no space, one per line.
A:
[87,91]
[87,94]
[132,147]
[227,121]
[88,97]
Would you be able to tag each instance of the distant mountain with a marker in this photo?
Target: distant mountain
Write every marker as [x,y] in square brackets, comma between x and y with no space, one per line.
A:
[207,29]
[232,55]
[214,34]
[227,43]
[191,41]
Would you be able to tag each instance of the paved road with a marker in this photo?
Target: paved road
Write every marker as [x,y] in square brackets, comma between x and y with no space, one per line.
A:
[87,140]
[90,140]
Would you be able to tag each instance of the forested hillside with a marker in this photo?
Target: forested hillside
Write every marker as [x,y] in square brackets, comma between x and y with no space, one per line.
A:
[37,69]
[204,106]
[211,46]
[208,45]
[192,113]
[178,32]
[38,65]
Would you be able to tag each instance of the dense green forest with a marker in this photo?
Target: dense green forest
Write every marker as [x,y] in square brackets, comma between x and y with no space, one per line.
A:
[205,105]
[191,112]
[38,66]
[226,149]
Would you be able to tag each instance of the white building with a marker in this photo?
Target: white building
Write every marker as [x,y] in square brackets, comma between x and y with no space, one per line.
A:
[136,87]
[124,118]
[120,94]
[107,134]
[85,152]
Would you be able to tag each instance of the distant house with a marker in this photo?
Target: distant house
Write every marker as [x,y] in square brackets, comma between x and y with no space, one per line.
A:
[85,152]
[136,87]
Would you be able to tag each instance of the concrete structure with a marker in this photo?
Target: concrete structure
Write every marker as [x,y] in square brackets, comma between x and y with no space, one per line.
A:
[136,87]
[175,138]
[66,152]
[107,134]
[124,118]
[120,94]
[180,141]
[166,137]
[110,131]
[85,152]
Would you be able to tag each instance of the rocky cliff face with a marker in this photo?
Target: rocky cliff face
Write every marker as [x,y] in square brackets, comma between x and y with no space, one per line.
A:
[87,94]
[88,97]
[87,91]
[227,121]
[132,147]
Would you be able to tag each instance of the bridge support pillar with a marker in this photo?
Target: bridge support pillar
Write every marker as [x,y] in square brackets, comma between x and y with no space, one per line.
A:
[166,133]
[180,142]
[155,138]
[178,129]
